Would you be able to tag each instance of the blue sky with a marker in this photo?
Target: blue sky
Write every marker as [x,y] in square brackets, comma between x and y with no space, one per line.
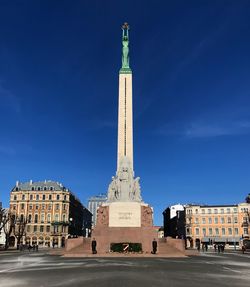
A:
[59,63]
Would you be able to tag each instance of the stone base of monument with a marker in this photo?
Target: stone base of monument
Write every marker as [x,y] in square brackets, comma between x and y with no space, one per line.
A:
[124,224]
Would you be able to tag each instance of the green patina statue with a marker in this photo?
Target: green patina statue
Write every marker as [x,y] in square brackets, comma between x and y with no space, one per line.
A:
[125,49]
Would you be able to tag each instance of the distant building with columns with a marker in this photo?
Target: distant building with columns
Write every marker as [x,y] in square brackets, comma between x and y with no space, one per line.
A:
[48,213]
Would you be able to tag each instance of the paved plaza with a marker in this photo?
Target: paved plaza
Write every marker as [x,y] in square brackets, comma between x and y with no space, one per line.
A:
[41,269]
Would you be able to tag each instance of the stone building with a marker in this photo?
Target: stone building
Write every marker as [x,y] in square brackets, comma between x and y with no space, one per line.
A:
[211,224]
[48,213]
[93,203]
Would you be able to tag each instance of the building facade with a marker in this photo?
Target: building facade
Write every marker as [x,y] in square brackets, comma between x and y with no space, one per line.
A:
[174,221]
[45,213]
[93,203]
[210,224]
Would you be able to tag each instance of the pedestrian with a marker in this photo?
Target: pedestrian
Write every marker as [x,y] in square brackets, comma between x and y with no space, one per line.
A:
[206,247]
[203,247]
[154,246]
[198,246]
[93,246]
[215,247]
[219,248]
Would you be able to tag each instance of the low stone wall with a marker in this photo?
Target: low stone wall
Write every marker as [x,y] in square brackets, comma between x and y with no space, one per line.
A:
[176,243]
[73,242]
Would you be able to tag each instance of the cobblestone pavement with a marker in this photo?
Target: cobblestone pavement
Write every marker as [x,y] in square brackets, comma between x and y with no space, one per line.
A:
[207,269]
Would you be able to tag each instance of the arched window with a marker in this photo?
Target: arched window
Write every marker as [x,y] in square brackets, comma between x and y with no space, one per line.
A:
[57,217]
[39,188]
[43,196]
[17,188]
[64,217]
[48,218]
[51,188]
[37,197]
[23,197]
[45,188]
[32,188]
[36,218]
[58,197]
[15,197]
[21,218]
[30,218]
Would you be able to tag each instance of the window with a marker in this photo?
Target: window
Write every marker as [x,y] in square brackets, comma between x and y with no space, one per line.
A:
[28,228]
[222,220]
[37,197]
[229,231]
[32,188]
[39,188]
[235,210]
[65,197]
[210,220]
[48,218]
[47,228]
[37,206]
[30,218]
[42,217]
[203,211]
[64,207]
[235,219]
[209,211]
[43,196]
[45,188]
[236,231]
[204,231]
[14,207]
[210,231]
[216,220]
[217,231]
[15,197]
[22,206]
[30,207]
[222,210]
[36,218]
[17,188]
[64,217]
[31,196]
[50,196]
[35,228]
[43,206]
[203,220]
[41,228]
[56,217]
[244,219]
[57,206]
[197,231]
[22,218]
[23,197]
[229,220]
[57,197]
[216,211]
[223,231]
[51,188]
[49,207]
[228,210]
[196,211]
[245,231]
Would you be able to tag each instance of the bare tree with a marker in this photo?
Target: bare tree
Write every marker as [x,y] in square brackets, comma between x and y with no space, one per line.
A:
[19,229]
[3,218]
[8,228]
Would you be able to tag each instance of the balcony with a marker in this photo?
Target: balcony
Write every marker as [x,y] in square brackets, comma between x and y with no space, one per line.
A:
[64,223]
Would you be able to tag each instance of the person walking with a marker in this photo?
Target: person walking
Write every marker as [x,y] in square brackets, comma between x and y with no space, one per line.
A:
[154,246]
[93,246]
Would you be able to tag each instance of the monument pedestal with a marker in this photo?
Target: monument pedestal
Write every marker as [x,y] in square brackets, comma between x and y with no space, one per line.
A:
[124,222]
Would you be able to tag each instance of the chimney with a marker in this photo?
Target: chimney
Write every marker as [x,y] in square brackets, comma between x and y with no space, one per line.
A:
[17,183]
[31,182]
